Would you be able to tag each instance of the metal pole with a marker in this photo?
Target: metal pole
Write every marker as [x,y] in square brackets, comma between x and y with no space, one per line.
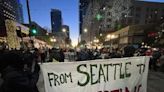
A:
[28,11]
[29,18]
[91,22]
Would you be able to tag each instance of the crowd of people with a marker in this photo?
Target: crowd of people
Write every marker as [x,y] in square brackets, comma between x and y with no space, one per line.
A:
[19,69]
[156,55]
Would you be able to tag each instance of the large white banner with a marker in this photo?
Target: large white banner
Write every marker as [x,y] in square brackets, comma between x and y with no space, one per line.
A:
[113,75]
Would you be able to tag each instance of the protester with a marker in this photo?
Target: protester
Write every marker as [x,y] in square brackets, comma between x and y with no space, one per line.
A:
[154,60]
[42,54]
[161,59]
[115,53]
[37,55]
[18,74]
[19,69]
[61,57]
[71,55]
[148,52]
[90,54]
[55,55]
[129,51]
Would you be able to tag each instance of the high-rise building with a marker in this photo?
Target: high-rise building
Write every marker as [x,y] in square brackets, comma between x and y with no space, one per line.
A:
[67,39]
[56,20]
[90,25]
[112,15]
[8,10]
[20,18]
[83,5]
[133,12]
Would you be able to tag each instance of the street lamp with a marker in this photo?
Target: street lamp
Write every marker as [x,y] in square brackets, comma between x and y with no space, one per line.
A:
[53,40]
[104,8]
[96,40]
[112,36]
[85,30]
[64,30]
[101,34]
[108,36]
[47,33]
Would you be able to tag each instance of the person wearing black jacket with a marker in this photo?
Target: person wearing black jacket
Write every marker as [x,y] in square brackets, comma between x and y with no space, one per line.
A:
[61,56]
[129,51]
[17,75]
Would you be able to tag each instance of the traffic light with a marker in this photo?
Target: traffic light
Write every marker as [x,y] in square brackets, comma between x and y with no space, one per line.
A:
[33,31]
[99,17]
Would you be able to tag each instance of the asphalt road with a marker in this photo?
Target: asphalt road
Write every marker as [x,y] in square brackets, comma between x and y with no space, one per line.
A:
[155,82]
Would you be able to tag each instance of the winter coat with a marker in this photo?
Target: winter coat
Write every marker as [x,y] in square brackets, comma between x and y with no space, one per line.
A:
[16,80]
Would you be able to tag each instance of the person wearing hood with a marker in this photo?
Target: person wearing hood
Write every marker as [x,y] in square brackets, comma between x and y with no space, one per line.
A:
[129,51]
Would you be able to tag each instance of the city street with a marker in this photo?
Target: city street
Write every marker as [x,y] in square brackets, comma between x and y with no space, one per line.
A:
[51,46]
[155,82]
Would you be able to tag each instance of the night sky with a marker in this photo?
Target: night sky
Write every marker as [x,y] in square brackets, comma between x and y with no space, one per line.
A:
[40,13]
